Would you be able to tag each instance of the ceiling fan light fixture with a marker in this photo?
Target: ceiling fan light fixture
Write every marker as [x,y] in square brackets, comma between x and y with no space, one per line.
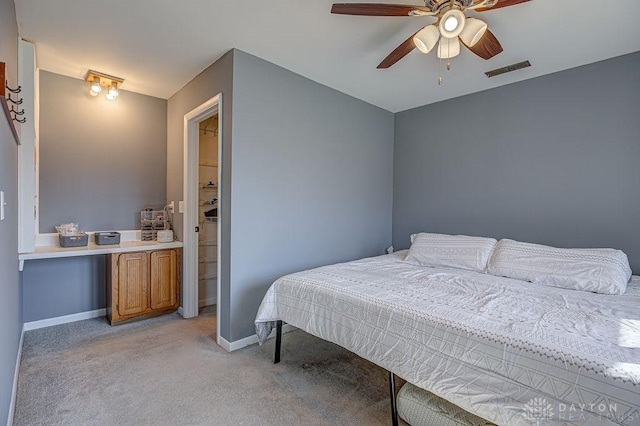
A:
[426,39]
[448,48]
[451,23]
[473,31]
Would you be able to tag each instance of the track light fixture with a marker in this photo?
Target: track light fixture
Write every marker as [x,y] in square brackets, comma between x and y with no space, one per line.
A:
[98,80]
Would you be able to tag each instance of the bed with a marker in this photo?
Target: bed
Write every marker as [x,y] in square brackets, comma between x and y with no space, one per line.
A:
[509,351]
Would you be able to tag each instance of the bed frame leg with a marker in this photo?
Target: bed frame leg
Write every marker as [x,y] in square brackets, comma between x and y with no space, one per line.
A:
[276,358]
[392,394]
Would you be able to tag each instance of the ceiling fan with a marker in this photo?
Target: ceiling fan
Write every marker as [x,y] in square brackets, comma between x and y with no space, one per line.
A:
[451,27]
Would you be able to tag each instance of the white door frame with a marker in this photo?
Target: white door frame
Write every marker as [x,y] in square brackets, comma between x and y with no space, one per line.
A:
[191,204]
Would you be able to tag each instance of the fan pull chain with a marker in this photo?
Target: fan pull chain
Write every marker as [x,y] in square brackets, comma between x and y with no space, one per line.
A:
[440,76]
[448,66]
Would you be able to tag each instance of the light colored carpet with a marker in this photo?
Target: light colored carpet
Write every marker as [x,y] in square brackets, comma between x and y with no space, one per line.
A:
[169,371]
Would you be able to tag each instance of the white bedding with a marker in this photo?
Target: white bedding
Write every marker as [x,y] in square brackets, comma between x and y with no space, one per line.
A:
[512,352]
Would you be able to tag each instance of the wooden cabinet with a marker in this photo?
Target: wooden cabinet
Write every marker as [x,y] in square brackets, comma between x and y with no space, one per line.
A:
[164,279]
[131,287]
[142,284]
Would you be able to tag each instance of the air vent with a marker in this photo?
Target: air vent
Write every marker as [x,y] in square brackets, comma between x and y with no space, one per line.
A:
[508,68]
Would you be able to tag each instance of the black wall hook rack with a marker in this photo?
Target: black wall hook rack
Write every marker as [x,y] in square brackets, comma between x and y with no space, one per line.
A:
[15,101]
[16,91]
[16,112]
[4,104]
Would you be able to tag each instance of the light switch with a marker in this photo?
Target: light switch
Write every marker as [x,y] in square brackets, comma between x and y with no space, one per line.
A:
[2,204]
[180,206]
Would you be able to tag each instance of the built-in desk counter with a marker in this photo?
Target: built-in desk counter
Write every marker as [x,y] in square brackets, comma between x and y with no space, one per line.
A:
[47,247]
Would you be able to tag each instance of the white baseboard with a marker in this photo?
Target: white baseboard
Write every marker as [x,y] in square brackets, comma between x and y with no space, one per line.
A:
[14,392]
[181,311]
[34,325]
[242,343]
[207,302]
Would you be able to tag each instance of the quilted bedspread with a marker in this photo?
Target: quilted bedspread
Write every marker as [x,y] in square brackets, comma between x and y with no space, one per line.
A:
[512,352]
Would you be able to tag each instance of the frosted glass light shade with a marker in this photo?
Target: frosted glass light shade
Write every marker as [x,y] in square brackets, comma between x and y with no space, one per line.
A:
[112,94]
[113,89]
[473,31]
[448,48]
[426,38]
[452,23]
[95,86]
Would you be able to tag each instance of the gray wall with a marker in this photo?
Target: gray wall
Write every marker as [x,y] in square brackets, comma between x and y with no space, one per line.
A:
[311,180]
[553,160]
[100,163]
[10,295]
[57,287]
[309,168]
[217,78]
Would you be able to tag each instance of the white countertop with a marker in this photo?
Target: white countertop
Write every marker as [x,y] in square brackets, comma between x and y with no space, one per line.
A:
[47,248]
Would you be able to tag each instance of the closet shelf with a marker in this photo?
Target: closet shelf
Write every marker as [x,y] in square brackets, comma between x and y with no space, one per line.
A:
[209,276]
[208,186]
[206,243]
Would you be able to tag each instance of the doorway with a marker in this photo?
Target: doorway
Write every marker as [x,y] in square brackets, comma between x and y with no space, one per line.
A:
[191,220]
[208,203]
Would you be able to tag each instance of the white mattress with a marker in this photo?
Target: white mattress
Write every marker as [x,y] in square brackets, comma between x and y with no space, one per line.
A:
[509,351]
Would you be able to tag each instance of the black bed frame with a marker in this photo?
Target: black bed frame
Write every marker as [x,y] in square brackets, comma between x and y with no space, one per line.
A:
[392,377]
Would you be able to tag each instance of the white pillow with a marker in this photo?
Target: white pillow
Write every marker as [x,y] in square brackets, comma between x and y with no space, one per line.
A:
[603,271]
[450,251]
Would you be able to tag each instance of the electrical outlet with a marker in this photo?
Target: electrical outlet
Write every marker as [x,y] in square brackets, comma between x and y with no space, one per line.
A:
[180,206]
[2,204]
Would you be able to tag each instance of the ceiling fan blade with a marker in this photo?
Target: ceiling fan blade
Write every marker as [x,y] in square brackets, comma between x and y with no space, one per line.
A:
[487,47]
[400,52]
[501,3]
[377,9]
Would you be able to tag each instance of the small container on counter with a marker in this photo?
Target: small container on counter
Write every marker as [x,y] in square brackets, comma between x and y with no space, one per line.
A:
[107,238]
[79,239]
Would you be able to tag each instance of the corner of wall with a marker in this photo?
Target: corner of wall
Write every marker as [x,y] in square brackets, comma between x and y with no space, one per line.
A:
[14,392]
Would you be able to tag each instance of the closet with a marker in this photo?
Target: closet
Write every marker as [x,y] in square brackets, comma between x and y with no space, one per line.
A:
[208,212]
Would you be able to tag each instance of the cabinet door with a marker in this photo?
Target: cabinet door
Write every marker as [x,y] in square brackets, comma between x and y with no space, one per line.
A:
[164,279]
[133,279]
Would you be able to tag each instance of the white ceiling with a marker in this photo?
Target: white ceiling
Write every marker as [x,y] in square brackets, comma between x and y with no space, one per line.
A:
[158,46]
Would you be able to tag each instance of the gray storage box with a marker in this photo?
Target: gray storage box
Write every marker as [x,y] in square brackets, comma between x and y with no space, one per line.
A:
[78,240]
[107,238]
